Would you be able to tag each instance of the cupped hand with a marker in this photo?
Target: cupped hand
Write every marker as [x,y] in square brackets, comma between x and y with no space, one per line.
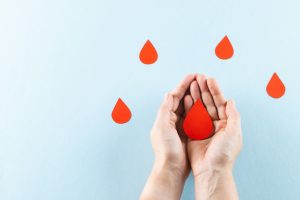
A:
[168,139]
[220,151]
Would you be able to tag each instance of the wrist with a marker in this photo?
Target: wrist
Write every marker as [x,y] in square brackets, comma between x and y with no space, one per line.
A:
[215,183]
[206,168]
[212,173]
[163,183]
[166,168]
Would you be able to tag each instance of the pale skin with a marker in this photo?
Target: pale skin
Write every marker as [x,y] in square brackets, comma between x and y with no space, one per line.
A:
[211,161]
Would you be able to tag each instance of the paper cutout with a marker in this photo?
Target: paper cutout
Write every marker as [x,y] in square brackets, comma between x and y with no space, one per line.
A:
[275,87]
[224,49]
[121,113]
[148,54]
[197,124]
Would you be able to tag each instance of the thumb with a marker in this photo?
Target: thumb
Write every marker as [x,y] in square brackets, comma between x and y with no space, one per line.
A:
[165,112]
[233,117]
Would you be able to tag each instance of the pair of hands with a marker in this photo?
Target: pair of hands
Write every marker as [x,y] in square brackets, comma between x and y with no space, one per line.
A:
[176,155]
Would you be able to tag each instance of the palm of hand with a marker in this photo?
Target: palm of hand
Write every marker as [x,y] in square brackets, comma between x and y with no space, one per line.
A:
[209,152]
[222,148]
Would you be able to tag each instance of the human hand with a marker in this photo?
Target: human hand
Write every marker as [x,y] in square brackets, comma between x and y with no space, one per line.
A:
[221,150]
[168,139]
[171,166]
[212,159]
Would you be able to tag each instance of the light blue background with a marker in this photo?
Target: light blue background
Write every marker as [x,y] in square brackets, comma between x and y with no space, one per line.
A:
[64,64]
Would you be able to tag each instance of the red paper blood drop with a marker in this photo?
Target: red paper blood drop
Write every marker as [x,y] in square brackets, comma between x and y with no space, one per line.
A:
[197,124]
[275,87]
[148,54]
[224,49]
[121,113]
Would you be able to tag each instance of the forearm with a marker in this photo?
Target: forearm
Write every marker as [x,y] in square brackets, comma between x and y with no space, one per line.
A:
[163,183]
[215,185]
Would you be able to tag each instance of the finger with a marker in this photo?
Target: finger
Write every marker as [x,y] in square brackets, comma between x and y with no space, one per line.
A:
[165,111]
[206,97]
[167,103]
[181,89]
[195,91]
[233,118]
[188,102]
[218,97]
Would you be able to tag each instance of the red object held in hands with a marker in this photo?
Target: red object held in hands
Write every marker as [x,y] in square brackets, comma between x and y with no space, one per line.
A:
[197,124]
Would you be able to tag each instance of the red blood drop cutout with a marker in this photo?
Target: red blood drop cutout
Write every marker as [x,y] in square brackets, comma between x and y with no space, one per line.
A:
[148,54]
[121,113]
[275,87]
[224,49]
[197,124]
